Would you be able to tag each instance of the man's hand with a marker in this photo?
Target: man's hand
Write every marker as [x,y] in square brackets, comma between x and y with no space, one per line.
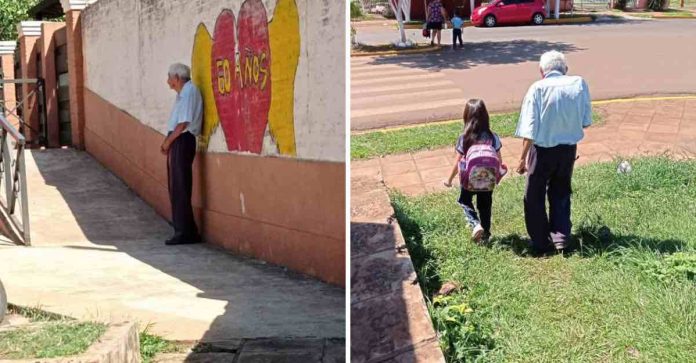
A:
[447,183]
[522,167]
[164,149]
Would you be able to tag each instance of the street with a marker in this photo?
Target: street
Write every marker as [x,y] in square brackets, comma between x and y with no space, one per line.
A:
[618,58]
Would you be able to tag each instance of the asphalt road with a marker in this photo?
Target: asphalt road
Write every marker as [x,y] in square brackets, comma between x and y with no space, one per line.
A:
[617,58]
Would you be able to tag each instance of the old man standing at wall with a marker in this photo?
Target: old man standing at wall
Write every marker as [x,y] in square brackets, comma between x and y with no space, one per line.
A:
[180,147]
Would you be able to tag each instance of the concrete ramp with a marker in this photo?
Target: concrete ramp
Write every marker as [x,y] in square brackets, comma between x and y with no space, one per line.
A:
[98,253]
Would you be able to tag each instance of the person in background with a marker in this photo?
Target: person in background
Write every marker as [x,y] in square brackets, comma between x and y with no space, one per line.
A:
[435,15]
[457,25]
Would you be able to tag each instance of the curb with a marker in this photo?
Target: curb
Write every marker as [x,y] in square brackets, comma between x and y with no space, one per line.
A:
[119,344]
[394,298]
[429,49]
[577,20]
[467,24]
[673,17]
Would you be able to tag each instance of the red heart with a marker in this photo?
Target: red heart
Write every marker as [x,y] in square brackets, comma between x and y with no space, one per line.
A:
[224,78]
[254,72]
[243,92]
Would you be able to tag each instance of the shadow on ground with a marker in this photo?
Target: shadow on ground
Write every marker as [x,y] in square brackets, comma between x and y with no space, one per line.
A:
[592,240]
[479,54]
[112,253]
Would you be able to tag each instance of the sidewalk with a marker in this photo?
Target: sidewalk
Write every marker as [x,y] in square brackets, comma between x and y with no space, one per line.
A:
[630,129]
[98,253]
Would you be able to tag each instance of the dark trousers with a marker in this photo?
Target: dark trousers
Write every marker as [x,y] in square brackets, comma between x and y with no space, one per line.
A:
[484,202]
[457,34]
[549,173]
[179,167]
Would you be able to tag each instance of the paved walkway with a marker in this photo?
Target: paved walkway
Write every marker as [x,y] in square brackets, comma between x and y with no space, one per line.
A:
[630,128]
[389,319]
[499,64]
[98,254]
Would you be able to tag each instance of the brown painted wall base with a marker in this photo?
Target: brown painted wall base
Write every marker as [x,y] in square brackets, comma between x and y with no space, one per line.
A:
[285,211]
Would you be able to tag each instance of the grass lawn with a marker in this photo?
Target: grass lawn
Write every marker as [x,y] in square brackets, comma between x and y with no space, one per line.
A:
[152,345]
[432,136]
[628,293]
[55,337]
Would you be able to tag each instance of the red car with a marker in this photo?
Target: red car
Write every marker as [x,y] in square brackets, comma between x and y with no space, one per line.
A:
[509,12]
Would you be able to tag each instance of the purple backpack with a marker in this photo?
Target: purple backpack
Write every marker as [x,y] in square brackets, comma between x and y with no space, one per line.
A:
[479,171]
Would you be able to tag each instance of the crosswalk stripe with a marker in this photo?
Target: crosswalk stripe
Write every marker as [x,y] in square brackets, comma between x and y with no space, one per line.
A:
[418,94]
[378,80]
[406,107]
[368,91]
[367,67]
[381,73]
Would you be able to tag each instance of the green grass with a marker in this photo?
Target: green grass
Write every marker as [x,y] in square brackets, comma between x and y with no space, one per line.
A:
[426,137]
[50,339]
[627,294]
[151,345]
[52,336]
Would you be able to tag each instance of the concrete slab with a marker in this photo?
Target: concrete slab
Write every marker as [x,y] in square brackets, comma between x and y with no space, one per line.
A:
[99,254]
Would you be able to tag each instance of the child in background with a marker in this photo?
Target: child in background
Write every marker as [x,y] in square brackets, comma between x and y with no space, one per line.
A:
[476,131]
[457,25]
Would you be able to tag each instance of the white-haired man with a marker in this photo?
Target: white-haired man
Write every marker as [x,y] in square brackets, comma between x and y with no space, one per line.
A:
[554,113]
[183,126]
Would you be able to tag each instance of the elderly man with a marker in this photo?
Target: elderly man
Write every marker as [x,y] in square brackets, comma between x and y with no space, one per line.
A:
[180,147]
[554,113]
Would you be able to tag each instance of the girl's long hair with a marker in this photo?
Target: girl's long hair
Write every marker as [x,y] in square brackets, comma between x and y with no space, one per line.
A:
[476,122]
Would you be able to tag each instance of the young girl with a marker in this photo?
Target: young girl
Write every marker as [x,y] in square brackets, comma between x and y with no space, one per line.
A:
[476,130]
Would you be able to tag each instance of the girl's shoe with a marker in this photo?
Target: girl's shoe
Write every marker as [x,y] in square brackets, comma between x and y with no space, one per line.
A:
[477,233]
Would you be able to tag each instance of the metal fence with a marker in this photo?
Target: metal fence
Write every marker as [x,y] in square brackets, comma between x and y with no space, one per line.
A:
[583,5]
[368,5]
[14,201]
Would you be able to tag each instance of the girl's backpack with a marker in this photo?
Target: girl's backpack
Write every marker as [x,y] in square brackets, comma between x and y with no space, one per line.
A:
[479,171]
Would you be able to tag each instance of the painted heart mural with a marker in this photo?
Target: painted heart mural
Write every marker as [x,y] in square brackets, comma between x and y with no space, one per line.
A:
[248,90]
[200,76]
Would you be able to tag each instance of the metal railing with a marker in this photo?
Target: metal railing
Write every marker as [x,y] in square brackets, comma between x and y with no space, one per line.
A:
[36,94]
[14,200]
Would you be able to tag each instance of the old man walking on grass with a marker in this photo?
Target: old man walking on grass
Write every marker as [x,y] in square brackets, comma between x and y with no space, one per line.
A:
[554,113]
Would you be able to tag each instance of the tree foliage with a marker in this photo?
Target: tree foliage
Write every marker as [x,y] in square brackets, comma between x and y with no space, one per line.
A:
[11,13]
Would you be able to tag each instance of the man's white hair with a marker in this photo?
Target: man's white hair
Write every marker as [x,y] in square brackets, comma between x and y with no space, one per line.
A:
[553,61]
[180,70]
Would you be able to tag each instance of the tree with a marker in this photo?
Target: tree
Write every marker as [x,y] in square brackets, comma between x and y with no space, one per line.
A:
[406,7]
[11,13]
[397,7]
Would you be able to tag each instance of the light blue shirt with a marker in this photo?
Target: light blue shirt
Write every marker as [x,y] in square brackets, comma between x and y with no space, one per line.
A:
[188,107]
[555,111]
[457,22]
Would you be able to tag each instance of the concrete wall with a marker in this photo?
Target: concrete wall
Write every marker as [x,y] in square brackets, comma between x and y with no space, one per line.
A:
[270,175]
[128,46]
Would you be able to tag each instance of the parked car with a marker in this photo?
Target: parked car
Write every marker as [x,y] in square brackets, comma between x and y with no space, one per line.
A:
[509,12]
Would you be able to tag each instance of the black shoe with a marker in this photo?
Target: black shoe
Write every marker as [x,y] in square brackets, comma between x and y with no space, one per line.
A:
[182,241]
[541,250]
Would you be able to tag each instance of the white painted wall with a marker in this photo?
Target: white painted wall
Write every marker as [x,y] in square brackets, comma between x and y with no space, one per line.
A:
[128,47]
